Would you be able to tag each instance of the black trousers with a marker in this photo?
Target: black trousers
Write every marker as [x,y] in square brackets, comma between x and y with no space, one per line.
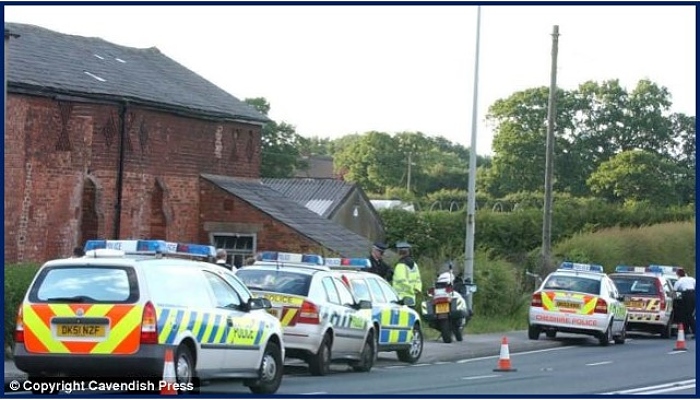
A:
[686,312]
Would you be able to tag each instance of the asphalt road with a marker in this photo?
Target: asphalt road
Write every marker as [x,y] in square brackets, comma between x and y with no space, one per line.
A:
[579,366]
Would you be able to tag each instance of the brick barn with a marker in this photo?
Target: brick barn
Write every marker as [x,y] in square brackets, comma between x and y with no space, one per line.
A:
[106,141]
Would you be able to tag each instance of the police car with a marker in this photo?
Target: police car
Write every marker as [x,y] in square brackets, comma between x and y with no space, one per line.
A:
[115,312]
[667,271]
[398,324]
[581,299]
[648,298]
[322,321]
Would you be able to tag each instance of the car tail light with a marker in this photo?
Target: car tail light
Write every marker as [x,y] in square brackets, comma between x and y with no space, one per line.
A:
[536,300]
[149,327]
[19,328]
[601,306]
[662,295]
[308,314]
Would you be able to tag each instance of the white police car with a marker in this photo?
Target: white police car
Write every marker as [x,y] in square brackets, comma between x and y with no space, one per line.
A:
[581,299]
[115,312]
[648,297]
[322,321]
[399,325]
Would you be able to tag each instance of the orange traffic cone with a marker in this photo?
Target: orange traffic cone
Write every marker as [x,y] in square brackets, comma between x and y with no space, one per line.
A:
[169,379]
[680,340]
[504,358]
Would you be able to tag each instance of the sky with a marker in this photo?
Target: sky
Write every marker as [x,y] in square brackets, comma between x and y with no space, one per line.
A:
[336,70]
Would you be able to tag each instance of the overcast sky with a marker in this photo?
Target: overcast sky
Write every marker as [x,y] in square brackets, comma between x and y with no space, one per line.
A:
[334,70]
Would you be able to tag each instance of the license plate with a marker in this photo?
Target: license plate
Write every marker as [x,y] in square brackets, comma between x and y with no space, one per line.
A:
[442,308]
[568,304]
[79,330]
[635,304]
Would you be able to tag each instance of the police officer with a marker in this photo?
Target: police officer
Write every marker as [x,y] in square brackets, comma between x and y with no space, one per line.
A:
[406,281]
[378,266]
[685,286]
[221,260]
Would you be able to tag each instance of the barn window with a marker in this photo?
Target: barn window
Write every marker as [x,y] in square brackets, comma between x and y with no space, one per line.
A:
[238,246]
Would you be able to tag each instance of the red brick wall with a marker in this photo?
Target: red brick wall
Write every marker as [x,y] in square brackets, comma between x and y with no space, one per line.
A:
[51,147]
[222,208]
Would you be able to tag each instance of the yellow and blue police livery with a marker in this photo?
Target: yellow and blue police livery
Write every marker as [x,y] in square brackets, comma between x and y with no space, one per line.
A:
[117,310]
[398,324]
[322,321]
[578,298]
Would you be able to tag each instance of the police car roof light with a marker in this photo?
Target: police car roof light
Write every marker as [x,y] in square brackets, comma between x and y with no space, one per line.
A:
[290,257]
[345,263]
[193,250]
[571,266]
[662,269]
[129,246]
[628,268]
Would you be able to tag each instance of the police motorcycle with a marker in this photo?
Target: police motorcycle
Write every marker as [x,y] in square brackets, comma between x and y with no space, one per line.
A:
[446,308]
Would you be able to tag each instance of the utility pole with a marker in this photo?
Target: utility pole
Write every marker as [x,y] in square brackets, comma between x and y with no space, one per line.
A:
[549,163]
[408,179]
[471,196]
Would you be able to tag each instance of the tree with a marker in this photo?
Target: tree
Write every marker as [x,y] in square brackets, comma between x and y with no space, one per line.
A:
[637,175]
[373,161]
[280,145]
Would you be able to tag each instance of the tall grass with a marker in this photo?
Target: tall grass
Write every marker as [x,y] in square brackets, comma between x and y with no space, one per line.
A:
[670,243]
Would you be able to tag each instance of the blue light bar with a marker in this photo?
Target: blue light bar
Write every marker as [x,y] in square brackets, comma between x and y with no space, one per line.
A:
[278,256]
[627,268]
[355,263]
[662,269]
[194,250]
[129,246]
[570,266]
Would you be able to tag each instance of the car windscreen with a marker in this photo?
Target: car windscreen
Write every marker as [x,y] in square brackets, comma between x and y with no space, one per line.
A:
[580,284]
[632,285]
[81,284]
[275,280]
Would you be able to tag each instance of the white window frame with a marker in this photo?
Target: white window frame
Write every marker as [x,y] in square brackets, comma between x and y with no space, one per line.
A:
[231,253]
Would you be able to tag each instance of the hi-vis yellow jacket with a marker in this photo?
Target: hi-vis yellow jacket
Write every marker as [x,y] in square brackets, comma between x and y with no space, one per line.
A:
[407,280]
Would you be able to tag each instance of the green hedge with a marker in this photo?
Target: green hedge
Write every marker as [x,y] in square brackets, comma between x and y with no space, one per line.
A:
[512,235]
[17,280]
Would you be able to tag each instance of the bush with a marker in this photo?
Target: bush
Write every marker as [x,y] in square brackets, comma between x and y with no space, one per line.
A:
[17,280]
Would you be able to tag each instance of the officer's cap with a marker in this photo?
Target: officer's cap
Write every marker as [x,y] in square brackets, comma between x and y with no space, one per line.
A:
[379,246]
[403,245]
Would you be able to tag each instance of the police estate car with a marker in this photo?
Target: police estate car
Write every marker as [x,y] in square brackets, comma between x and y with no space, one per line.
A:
[648,298]
[322,321]
[578,298]
[398,324]
[115,315]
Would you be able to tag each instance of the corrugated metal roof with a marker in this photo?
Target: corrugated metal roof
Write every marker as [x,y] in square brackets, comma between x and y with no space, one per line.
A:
[51,62]
[328,234]
[322,196]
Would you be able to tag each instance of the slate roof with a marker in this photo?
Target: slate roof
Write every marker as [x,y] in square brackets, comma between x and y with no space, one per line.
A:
[48,62]
[328,234]
[322,196]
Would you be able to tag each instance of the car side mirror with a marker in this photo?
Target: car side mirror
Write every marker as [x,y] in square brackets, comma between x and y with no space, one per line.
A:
[364,305]
[259,303]
[408,301]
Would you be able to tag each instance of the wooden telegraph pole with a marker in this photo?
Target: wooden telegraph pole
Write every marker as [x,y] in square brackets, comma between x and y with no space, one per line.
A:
[549,167]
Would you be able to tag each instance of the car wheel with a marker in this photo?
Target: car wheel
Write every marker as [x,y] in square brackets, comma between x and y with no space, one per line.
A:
[533,332]
[184,365]
[412,354]
[320,363]
[667,330]
[367,356]
[271,370]
[622,336]
[606,338]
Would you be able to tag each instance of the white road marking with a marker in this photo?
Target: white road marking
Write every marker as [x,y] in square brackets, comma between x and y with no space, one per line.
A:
[468,378]
[442,362]
[311,393]
[516,354]
[599,363]
[394,366]
[420,365]
[678,352]
[656,389]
